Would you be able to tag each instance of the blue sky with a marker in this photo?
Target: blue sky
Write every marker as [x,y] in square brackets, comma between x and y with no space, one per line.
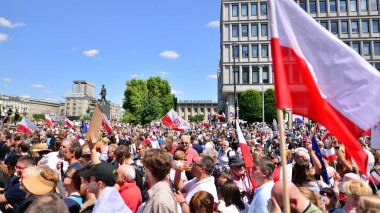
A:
[45,45]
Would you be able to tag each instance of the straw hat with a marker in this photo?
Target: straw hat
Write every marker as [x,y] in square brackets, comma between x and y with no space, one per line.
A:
[38,185]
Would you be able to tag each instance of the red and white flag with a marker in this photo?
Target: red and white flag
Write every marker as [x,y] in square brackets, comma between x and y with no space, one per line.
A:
[375,178]
[106,124]
[68,123]
[324,136]
[26,126]
[171,119]
[48,120]
[246,154]
[277,173]
[320,77]
[329,154]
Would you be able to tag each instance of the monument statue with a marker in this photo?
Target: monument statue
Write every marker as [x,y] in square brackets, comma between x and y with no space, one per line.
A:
[104,104]
[103,93]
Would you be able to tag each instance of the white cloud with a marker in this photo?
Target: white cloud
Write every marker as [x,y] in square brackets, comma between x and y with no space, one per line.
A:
[48,91]
[176,92]
[213,24]
[163,74]
[212,76]
[40,86]
[3,37]
[8,24]
[6,79]
[91,53]
[170,54]
[25,96]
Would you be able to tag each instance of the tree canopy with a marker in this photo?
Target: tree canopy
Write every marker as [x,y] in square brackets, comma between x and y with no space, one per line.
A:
[270,106]
[147,100]
[250,106]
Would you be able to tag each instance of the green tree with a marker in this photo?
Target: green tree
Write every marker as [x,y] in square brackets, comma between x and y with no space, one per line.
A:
[196,118]
[148,100]
[250,106]
[39,116]
[270,106]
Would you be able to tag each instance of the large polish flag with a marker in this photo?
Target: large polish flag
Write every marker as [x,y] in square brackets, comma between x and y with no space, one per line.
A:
[172,120]
[26,126]
[246,154]
[320,77]
[68,123]
[106,124]
[48,120]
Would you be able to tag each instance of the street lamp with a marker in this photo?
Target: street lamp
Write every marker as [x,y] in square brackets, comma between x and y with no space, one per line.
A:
[234,70]
[262,97]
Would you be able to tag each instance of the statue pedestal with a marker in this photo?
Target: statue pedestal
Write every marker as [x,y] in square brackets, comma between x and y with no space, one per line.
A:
[106,108]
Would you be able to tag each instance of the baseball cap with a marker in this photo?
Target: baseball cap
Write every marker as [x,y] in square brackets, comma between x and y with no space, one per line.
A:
[102,171]
[235,160]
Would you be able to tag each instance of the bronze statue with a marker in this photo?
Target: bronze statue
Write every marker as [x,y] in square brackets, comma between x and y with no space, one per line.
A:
[103,93]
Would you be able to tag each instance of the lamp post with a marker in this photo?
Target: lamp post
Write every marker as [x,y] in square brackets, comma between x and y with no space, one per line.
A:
[262,89]
[234,70]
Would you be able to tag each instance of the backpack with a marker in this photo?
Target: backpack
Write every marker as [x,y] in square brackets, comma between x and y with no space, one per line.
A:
[141,179]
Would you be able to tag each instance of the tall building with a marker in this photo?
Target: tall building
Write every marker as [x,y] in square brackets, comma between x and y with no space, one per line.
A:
[245,48]
[83,87]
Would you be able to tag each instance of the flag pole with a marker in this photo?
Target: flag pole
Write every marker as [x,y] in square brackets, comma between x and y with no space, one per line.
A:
[280,118]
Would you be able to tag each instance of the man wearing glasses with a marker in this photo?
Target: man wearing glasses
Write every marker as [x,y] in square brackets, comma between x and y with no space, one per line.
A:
[240,177]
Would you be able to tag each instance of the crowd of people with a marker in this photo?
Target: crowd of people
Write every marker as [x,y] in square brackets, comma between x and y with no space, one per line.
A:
[155,169]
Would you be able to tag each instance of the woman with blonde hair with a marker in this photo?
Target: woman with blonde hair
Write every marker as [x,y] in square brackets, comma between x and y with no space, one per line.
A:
[354,190]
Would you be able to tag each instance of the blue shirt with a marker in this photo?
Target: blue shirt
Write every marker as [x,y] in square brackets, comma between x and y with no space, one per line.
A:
[260,200]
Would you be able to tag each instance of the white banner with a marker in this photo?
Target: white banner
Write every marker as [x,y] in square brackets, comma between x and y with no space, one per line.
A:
[375,136]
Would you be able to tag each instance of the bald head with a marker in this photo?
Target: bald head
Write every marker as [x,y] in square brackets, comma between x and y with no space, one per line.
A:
[297,201]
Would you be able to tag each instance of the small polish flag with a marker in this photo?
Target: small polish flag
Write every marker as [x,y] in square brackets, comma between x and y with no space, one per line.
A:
[68,123]
[106,124]
[329,154]
[324,136]
[171,119]
[375,177]
[48,120]
[26,126]
[277,173]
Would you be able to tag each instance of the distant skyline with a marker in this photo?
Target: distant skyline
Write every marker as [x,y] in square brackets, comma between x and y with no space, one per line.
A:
[45,45]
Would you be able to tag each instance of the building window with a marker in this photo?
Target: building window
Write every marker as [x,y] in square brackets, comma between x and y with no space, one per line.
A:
[344,27]
[343,5]
[236,51]
[334,27]
[322,6]
[255,51]
[235,30]
[376,48]
[366,48]
[263,8]
[264,29]
[332,5]
[354,26]
[244,9]
[313,6]
[254,30]
[352,5]
[253,9]
[356,47]
[255,74]
[189,109]
[365,26]
[377,66]
[374,5]
[245,51]
[264,51]
[363,5]
[236,75]
[245,75]
[235,10]
[375,26]
[303,5]
[265,75]
[324,24]
[244,30]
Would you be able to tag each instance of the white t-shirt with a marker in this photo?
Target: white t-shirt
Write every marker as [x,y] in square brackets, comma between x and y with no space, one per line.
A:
[191,187]
[231,208]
